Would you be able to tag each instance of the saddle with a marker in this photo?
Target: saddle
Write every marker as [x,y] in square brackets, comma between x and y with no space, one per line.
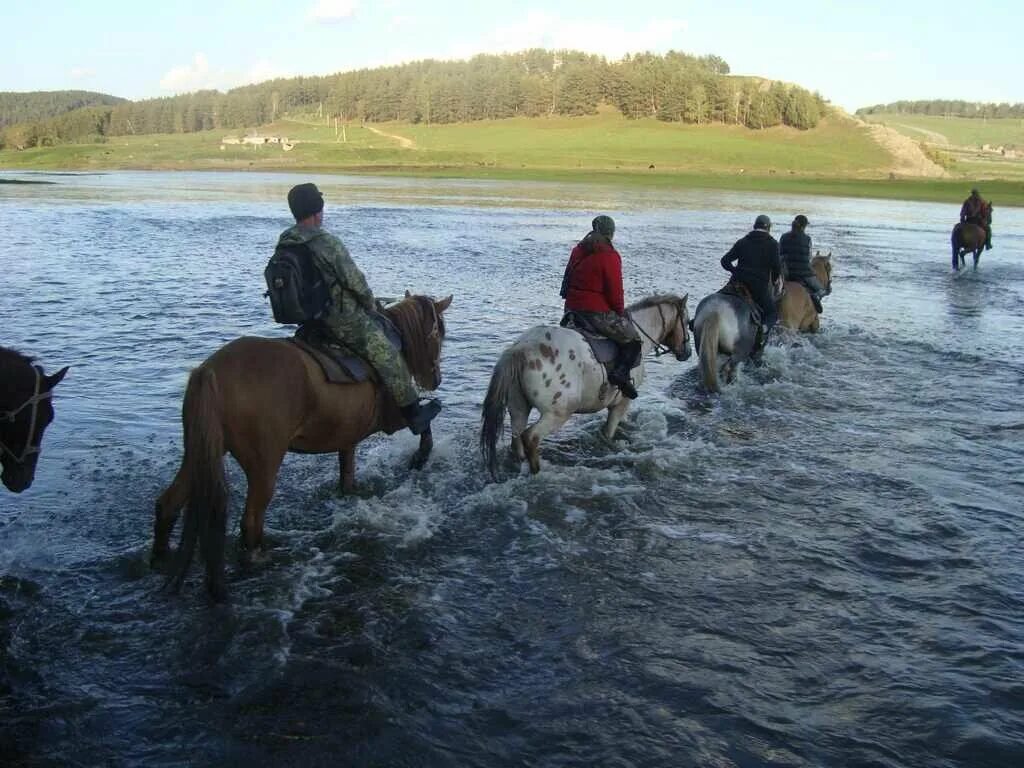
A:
[605,350]
[338,363]
[735,288]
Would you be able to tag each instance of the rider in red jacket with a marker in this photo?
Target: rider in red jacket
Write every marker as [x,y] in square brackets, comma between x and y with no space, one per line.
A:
[592,289]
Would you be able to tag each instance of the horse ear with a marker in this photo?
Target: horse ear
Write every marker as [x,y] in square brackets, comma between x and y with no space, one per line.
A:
[55,379]
[829,255]
[443,304]
[685,297]
[408,295]
[817,254]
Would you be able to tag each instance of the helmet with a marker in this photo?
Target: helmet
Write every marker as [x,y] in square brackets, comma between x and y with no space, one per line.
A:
[975,192]
[800,221]
[762,222]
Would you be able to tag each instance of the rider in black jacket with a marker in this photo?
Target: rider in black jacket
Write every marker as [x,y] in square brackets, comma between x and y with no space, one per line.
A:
[795,247]
[757,266]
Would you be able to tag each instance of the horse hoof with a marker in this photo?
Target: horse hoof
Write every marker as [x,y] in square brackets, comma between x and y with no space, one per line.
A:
[418,461]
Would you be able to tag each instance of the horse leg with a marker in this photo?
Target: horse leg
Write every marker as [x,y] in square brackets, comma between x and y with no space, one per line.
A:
[168,507]
[616,412]
[518,416]
[977,255]
[419,459]
[261,478]
[347,469]
[544,426]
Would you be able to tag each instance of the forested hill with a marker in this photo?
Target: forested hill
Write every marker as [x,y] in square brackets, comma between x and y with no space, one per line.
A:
[675,87]
[946,108]
[39,105]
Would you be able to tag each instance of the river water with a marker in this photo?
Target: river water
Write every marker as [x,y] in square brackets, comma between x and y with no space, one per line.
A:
[820,566]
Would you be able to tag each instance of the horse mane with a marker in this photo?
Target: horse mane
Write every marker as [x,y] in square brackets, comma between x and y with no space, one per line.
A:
[414,317]
[655,300]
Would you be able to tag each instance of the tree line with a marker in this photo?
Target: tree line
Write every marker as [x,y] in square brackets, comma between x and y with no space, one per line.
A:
[40,105]
[947,108]
[675,87]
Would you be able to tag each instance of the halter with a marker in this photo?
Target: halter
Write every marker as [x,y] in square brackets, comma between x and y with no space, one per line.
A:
[36,398]
[659,348]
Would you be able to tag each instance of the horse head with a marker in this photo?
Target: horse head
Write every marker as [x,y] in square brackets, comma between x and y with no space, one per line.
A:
[822,268]
[420,320]
[27,412]
[672,327]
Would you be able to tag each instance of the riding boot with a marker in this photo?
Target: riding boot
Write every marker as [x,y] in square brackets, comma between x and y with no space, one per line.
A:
[419,415]
[817,302]
[624,362]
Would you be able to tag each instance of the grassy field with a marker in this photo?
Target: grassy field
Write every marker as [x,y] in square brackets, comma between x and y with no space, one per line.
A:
[837,158]
[957,131]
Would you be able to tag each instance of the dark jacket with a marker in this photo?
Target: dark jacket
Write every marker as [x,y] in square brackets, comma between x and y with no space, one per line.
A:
[972,209]
[795,248]
[593,277]
[756,256]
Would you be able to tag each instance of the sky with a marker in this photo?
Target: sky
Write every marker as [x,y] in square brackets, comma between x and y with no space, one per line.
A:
[854,54]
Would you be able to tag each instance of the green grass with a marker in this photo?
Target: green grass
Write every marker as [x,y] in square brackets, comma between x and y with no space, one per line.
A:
[837,158]
[958,131]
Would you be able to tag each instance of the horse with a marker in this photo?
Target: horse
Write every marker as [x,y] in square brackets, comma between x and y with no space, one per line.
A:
[258,399]
[724,323]
[26,410]
[967,237]
[796,309]
[555,370]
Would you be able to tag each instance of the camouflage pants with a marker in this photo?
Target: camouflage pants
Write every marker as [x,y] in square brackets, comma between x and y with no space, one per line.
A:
[612,325]
[360,333]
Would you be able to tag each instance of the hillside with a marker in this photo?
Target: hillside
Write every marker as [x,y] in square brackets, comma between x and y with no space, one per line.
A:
[40,105]
[984,148]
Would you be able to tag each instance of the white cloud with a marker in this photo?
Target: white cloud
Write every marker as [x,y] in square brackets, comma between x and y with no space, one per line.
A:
[81,73]
[332,11]
[189,77]
[542,29]
[199,75]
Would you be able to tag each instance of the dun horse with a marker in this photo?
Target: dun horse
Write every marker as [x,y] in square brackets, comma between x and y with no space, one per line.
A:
[796,309]
[258,399]
[554,370]
[26,409]
[967,237]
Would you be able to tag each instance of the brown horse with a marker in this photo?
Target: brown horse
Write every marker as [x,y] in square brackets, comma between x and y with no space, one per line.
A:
[258,399]
[26,410]
[967,237]
[796,309]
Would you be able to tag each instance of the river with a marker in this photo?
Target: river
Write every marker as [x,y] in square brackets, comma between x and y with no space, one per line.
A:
[821,566]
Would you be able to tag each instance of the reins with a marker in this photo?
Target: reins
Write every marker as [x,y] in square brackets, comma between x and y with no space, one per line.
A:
[659,348]
[10,416]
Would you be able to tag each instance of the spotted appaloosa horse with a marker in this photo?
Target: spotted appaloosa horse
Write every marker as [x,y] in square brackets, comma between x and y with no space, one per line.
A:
[554,370]
[26,409]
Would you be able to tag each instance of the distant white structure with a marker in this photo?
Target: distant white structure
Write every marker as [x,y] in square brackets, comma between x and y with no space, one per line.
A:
[230,140]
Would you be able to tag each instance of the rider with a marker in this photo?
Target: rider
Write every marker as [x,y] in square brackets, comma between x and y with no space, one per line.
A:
[592,289]
[757,266]
[976,211]
[350,318]
[795,247]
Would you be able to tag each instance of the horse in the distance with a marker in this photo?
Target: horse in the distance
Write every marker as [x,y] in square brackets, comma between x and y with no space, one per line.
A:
[555,370]
[796,308]
[725,323]
[967,238]
[26,410]
[258,399]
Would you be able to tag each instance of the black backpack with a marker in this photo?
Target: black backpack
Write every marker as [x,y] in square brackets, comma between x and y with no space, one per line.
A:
[298,292]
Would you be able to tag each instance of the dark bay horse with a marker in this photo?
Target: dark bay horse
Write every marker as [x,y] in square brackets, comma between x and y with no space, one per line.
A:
[966,238]
[258,399]
[26,409]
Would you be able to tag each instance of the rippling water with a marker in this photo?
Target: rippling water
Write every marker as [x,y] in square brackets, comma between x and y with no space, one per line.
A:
[821,566]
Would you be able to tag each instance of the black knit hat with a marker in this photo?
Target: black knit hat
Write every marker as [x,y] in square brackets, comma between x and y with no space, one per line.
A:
[604,225]
[305,200]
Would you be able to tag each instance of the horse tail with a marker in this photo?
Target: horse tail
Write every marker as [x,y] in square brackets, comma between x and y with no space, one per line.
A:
[709,353]
[954,240]
[505,377]
[206,510]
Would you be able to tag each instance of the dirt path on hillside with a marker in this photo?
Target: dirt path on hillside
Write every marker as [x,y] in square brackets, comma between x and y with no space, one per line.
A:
[908,158]
[402,140]
[933,136]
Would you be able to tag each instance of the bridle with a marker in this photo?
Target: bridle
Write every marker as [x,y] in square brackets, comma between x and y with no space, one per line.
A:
[659,348]
[33,402]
